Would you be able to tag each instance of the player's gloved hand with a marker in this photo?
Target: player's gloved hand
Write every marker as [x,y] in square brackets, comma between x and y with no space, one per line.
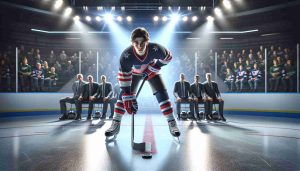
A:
[130,103]
[150,71]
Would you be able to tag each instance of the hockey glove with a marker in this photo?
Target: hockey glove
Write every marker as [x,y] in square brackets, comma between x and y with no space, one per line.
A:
[130,103]
[150,71]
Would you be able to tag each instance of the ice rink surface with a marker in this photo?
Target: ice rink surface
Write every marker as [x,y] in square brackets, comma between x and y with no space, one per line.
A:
[242,143]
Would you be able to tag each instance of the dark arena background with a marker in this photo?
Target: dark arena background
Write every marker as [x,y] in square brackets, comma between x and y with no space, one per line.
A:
[262,126]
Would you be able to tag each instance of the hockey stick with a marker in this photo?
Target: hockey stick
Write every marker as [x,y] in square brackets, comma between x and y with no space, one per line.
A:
[138,146]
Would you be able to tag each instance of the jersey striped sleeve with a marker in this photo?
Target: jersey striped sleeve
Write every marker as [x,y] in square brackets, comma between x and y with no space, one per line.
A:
[163,58]
[125,73]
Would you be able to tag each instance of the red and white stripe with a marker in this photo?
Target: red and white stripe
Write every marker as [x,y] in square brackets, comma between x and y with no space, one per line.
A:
[125,78]
[167,59]
[166,107]
[119,107]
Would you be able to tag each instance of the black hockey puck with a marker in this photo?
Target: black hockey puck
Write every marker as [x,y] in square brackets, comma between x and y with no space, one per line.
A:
[147,156]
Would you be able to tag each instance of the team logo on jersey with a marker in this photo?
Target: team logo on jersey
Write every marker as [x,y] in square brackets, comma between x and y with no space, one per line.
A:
[126,55]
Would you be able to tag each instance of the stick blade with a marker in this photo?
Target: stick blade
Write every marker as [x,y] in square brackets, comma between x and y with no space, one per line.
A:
[139,146]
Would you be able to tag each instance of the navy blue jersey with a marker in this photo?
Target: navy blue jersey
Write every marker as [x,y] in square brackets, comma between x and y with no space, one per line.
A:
[131,63]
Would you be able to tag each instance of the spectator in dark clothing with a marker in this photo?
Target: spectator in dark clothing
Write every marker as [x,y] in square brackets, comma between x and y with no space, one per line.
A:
[87,95]
[5,75]
[38,77]
[25,75]
[275,72]
[288,76]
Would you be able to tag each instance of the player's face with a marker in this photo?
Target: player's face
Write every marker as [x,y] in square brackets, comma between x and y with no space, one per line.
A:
[140,45]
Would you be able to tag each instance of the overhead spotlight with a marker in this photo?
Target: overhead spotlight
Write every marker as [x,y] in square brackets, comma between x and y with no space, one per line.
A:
[179,8]
[119,18]
[113,8]
[160,8]
[100,8]
[85,8]
[68,12]
[88,18]
[129,18]
[189,8]
[155,18]
[227,4]
[175,17]
[218,11]
[58,4]
[164,18]
[98,18]
[194,18]
[210,18]
[76,18]
[122,8]
[185,18]
[169,8]
[108,17]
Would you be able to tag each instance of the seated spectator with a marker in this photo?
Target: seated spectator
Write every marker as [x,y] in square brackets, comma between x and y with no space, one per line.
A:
[25,75]
[38,77]
[104,95]
[288,76]
[69,70]
[248,66]
[37,59]
[57,66]
[280,61]
[235,68]
[77,88]
[251,59]
[241,78]
[196,91]
[88,95]
[63,56]
[224,70]
[275,72]
[212,93]
[254,77]
[46,67]
[240,61]
[51,78]
[5,75]
[181,93]
[52,58]
[229,79]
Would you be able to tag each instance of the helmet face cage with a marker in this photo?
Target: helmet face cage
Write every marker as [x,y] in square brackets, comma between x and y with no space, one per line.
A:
[140,32]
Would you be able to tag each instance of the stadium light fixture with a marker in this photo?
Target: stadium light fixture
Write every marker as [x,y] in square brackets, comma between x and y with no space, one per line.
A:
[175,17]
[155,18]
[68,12]
[98,18]
[58,4]
[164,18]
[194,18]
[227,4]
[119,18]
[185,18]
[129,18]
[88,18]
[76,18]
[108,17]
[210,18]
[218,11]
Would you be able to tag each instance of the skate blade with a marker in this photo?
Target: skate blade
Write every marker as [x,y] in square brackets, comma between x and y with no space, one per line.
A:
[108,140]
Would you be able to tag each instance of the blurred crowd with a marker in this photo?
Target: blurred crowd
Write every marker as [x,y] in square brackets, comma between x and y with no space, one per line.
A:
[240,70]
